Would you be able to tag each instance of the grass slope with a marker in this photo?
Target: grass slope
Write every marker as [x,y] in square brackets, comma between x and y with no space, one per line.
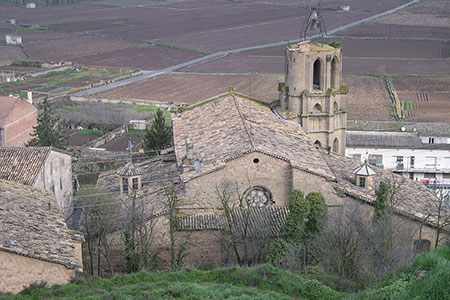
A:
[263,282]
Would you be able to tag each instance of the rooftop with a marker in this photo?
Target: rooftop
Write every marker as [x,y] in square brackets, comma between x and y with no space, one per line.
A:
[422,206]
[232,126]
[30,228]
[377,139]
[256,222]
[22,164]
[7,104]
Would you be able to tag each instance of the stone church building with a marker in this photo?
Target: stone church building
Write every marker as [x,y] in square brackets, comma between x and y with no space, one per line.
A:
[250,154]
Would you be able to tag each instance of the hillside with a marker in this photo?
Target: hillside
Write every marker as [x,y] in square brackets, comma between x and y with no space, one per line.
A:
[263,282]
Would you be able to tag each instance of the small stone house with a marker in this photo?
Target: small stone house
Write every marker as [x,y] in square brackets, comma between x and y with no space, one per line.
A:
[35,244]
[42,167]
[17,118]
[13,39]
[138,124]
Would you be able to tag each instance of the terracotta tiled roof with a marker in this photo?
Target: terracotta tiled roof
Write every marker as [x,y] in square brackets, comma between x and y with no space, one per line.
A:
[22,164]
[413,199]
[232,126]
[129,169]
[29,228]
[257,222]
[8,104]
[157,173]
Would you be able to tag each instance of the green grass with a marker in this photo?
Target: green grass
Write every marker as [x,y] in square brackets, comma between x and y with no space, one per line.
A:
[73,109]
[404,285]
[135,132]
[262,282]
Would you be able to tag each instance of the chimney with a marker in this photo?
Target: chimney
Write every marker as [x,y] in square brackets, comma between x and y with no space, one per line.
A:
[189,149]
[30,97]
[188,160]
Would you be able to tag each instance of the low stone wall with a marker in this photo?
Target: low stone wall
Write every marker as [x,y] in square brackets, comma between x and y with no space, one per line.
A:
[119,101]
[18,272]
[107,137]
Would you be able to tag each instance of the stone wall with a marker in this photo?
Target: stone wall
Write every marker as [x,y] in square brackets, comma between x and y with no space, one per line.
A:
[17,272]
[238,175]
[118,101]
[57,173]
[104,139]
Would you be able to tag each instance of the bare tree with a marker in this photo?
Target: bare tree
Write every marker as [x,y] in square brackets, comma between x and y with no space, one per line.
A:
[98,222]
[178,247]
[139,234]
[240,232]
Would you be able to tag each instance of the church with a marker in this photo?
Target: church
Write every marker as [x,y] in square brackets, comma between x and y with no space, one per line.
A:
[236,152]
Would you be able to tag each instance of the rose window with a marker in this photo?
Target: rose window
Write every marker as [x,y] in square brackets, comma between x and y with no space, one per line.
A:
[258,196]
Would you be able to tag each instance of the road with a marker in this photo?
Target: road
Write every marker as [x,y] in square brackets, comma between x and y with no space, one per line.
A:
[151,74]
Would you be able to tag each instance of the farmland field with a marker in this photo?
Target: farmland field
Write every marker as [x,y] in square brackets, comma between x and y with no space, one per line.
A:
[151,35]
[431,95]
[367,99]
[11,53]
[113,32]
[192,88]
[54,83]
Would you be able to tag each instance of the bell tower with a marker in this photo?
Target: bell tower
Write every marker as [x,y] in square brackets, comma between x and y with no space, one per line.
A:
[313,90]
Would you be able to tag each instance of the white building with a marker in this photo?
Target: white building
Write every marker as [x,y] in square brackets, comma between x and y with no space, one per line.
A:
[422,158]
[139,124]
[13,39]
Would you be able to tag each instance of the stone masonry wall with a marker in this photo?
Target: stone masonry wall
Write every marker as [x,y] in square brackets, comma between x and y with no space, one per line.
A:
[57,172]
[17,272]
[237,176]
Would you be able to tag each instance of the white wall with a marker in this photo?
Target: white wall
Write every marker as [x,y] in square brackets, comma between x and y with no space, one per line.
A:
[423,160]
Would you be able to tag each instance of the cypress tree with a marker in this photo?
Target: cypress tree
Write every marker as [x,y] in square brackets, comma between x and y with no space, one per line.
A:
[48,131]
[381,202]
[158,136]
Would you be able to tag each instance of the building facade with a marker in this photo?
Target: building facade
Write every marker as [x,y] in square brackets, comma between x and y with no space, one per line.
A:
[422,158]
[42,167]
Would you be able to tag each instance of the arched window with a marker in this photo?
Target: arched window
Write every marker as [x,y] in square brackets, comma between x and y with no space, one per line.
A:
[258,196]
[316,74]
[335,106]
[317,144]
[334,73]
[336,145]
[317,108]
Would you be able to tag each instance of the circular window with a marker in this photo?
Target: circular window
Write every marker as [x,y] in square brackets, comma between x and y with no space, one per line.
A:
[258,196]
[256,160]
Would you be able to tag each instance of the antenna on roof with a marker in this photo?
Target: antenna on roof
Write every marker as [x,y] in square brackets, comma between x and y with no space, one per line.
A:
[130,149]
[314,22]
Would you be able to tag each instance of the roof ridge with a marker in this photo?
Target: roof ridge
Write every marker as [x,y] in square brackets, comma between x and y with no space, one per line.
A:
[243,122]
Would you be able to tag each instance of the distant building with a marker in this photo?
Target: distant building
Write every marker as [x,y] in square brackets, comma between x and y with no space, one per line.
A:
[35,243]
[139,124]
[30,5]
[423,158]
[42,167]
[12,39]
[17,118]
